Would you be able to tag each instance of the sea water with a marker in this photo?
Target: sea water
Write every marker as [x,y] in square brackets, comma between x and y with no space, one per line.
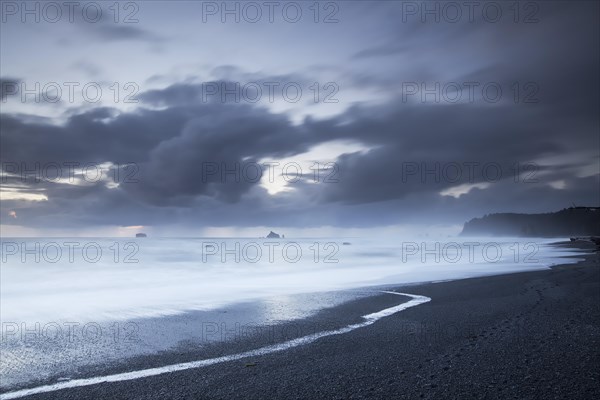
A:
[72,302]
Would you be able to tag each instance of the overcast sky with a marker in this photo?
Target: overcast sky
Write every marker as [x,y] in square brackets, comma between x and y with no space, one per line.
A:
[186,118]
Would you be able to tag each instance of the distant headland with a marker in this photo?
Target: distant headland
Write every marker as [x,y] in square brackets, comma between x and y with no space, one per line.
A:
[572,221]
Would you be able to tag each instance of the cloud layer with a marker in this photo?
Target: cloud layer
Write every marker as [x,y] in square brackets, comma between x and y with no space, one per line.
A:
[393,154]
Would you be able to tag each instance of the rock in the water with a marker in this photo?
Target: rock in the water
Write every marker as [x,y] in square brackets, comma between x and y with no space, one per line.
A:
[273,235]
[140,235]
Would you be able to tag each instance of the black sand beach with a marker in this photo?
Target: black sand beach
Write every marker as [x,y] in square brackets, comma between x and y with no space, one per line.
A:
[531,335]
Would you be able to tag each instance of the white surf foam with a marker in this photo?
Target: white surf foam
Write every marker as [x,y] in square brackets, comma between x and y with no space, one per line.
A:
[369,320]
[171,276]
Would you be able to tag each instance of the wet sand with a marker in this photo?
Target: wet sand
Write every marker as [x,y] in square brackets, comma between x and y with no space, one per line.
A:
[524,335]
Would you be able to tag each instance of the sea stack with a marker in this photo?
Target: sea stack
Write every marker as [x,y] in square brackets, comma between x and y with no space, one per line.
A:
[140,235]
[273,235]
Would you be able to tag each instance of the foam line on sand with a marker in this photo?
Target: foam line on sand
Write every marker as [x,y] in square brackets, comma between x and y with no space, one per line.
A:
[369,319]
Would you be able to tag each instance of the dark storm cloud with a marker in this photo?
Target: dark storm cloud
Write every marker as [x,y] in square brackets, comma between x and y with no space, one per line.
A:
[86,137]
[9,87]
[557,50]
[218,137]
[385,185]
[173,146]
[426,149]
[18,89]
[232,86]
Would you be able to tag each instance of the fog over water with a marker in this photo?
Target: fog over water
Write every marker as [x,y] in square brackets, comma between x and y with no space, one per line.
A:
[84,302]
[117,279]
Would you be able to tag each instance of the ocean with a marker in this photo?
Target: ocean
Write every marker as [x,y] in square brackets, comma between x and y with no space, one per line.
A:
[72,303]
